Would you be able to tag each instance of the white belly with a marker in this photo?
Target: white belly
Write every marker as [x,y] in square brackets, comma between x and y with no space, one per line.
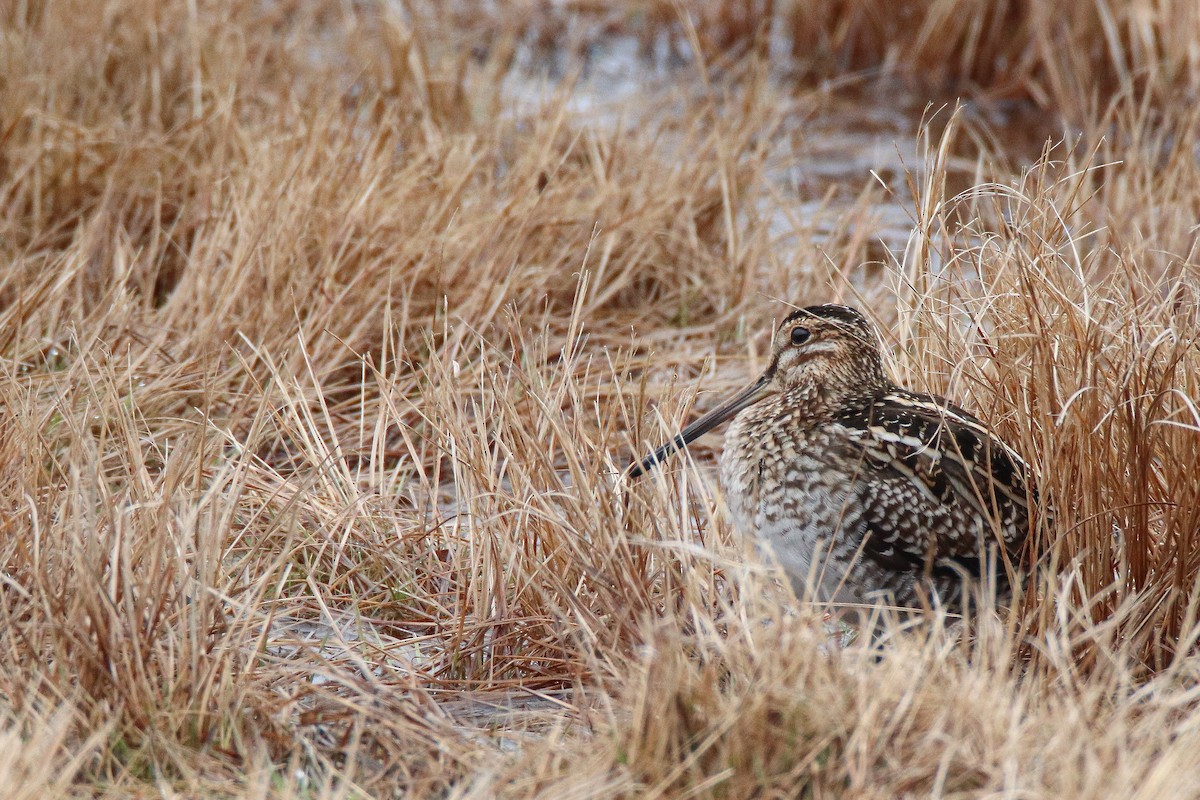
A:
[794,511]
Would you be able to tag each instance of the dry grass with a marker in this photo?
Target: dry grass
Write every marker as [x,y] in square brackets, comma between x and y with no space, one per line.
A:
[321,353]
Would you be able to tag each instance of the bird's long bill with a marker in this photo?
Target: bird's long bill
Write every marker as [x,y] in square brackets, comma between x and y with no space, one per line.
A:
[746,397]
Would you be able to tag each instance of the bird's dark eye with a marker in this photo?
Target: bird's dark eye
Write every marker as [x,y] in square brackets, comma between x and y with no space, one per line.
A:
[799,336]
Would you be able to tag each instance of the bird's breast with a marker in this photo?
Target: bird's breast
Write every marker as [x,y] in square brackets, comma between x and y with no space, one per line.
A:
[741,470]
[766,466]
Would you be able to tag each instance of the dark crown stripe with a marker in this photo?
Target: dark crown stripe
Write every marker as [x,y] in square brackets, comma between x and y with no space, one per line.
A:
[842,315]
[835,313]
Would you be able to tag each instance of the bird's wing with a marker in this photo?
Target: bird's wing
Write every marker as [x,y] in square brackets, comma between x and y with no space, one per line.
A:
[937,485]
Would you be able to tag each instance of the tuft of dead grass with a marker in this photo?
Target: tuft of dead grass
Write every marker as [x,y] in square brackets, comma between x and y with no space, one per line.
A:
[327,328]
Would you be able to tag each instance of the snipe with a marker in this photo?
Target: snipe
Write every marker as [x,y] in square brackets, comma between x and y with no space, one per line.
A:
[864,491]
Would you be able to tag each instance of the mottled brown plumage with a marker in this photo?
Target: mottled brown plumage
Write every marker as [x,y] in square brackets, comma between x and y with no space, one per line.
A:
[864,492]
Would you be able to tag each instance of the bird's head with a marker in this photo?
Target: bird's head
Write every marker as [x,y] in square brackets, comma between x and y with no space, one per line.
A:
[831,350]
[825,354]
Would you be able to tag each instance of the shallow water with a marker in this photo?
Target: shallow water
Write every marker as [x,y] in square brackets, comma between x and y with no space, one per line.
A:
[840,166]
